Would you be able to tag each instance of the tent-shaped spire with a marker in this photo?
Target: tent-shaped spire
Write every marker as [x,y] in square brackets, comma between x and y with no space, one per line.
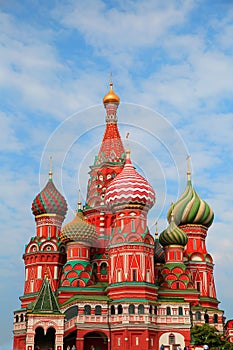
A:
[46,301]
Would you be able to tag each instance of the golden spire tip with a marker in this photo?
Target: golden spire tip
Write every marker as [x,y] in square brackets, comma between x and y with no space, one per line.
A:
[79,200]
[188,167]
[50,167]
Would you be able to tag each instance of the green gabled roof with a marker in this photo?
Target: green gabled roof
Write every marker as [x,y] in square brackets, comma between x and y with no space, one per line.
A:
[87,298]
[171,299]
[46,302]
[135,300]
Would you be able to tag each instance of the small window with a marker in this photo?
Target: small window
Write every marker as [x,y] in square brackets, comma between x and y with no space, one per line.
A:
[49,231]
[206,317]
[98,310]
[171,339]
[155,310]
[113,310]
[180,311]
[131,309]
[103,268]
[198,286]
[194,244]
[168,311]
[21,318]
[133,225]
[141,309]
[134,275]
[198,316]
[118,275]
[150,310]
[215,318]
[119,309]
[87,310]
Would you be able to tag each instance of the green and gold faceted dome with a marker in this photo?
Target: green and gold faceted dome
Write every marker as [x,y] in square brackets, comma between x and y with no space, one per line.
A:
[173,235]
[191,208]
[79,230]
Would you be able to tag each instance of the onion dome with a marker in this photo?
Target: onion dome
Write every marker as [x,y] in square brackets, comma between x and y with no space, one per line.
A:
[190,208]
[49,200]
[129,189]
[79,230]
[111,97]
[173,235]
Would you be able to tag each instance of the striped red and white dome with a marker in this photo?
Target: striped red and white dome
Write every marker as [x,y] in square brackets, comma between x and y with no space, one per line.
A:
[129,189]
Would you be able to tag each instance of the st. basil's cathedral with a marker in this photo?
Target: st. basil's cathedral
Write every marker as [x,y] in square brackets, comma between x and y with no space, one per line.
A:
[103,281]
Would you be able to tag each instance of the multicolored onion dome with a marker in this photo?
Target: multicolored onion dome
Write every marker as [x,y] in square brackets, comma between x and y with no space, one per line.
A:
[49,201]
[129,189]
[111,97]
[191,209]
[79,230]
[173,235]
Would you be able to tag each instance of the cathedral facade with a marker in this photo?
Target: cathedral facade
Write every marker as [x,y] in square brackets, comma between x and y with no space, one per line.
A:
[103,281]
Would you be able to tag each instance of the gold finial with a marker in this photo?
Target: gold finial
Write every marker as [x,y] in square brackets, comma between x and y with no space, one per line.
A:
[188,167]
[172,208]
[110,80]
[50,167]
[79,200]
[111,97]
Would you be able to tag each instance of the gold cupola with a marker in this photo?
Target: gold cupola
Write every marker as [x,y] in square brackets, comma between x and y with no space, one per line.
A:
[111,97]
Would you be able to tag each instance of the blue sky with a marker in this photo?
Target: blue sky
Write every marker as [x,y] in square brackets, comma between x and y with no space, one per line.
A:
[172,68]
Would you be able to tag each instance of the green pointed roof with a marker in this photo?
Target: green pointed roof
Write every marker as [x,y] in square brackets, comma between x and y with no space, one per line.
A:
[46,302]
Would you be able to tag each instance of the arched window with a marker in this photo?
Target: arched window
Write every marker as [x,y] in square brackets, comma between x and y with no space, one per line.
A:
[131,309]
[171,339]
[198,316]
[87,310]
[120,309]
[198,284]
[21,318]
[206,317]
[155,310]
[215,318]
[180,311]
[113,310]
[133,225]
[194,244]
[103,268]
[150,310]
[168,311]
[118,275]
[17,318]
[98,310]
[141,309]
[134,275]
